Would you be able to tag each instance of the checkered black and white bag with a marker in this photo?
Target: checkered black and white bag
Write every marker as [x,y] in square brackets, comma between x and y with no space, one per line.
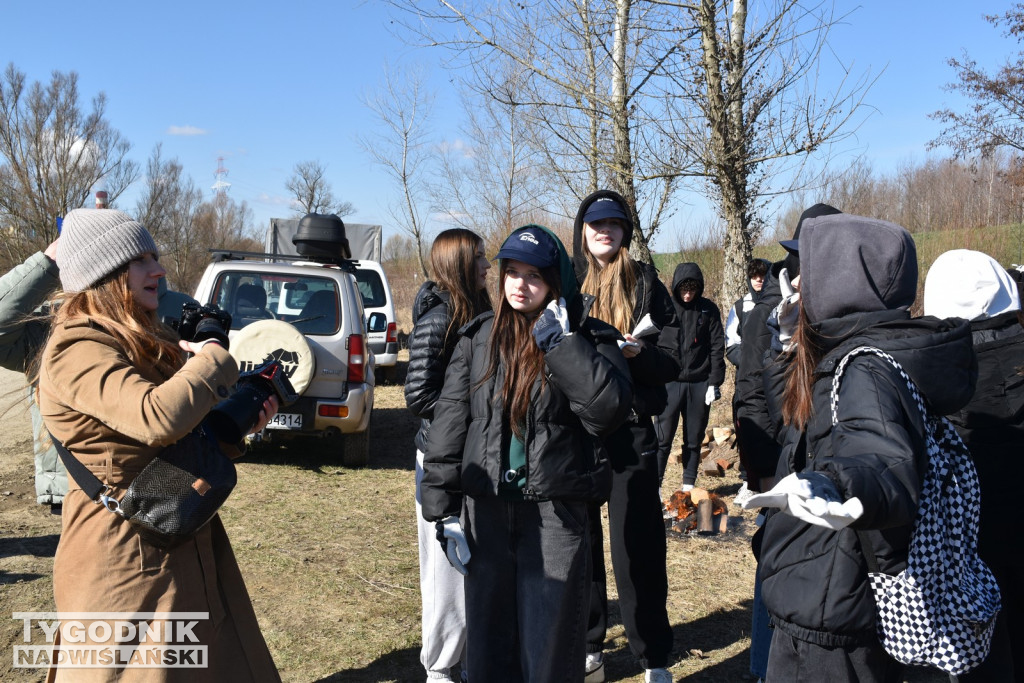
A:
[941,609]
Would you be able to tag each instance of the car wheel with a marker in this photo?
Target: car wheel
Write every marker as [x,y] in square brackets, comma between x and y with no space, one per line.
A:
[356,449]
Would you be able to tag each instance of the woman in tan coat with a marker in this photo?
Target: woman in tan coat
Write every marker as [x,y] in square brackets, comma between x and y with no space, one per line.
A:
[114,388]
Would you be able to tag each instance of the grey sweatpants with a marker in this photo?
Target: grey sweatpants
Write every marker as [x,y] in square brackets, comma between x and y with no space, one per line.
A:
[442,593]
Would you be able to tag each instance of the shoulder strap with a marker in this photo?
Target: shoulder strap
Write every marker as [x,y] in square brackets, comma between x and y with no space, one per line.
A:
[89,482]
[860,351]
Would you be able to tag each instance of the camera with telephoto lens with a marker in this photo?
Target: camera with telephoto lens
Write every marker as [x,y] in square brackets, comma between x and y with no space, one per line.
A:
[199,323]
[234,417]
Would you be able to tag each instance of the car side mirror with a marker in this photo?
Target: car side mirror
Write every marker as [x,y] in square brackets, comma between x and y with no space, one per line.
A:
[377,322]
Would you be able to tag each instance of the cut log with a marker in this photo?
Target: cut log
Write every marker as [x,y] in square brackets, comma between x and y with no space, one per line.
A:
[705,518]
[697,495]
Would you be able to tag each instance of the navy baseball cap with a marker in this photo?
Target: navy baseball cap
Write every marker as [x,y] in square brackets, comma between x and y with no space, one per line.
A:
[531,245]
[605,207]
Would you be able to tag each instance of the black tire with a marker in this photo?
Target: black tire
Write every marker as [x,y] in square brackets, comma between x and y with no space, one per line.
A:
[356,449]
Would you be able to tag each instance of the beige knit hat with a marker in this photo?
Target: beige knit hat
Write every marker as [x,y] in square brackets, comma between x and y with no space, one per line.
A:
[96,242]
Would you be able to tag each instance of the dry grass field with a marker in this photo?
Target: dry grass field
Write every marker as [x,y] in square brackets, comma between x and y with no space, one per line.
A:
[329,556]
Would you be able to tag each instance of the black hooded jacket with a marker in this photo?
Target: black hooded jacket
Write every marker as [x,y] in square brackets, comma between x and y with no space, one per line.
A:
[814,579]
[701,339]
[757,431]
[658,362]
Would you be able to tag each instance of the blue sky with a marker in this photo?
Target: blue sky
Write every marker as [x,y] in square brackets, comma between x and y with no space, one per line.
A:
[266,85]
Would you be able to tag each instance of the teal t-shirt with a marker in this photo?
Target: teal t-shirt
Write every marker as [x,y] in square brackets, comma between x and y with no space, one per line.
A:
[513,460]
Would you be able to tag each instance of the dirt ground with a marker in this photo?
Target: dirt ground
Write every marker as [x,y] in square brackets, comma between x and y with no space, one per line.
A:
[330,559]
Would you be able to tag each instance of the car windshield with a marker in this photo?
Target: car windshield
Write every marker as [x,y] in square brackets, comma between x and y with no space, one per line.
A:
[309,303]
[371,287]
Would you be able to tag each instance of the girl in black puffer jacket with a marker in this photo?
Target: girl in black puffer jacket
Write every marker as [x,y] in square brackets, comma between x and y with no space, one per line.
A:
[460,265]
[530,392]
[858,277]
[625,293]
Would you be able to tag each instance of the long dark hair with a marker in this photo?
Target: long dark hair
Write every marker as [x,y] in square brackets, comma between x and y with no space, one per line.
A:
[453,260]
[512,347]
[797,403]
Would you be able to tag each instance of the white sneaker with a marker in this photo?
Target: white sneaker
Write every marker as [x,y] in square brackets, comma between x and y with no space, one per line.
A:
[594,671]
[658,676]
[743,495]
[439,677]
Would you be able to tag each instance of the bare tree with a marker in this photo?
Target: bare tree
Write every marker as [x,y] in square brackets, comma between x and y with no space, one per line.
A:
[168,198]
[588,68]
[312,191]
[220,223]
[495,180]
[996,116]
[749,111]
[52,154]
[400,147]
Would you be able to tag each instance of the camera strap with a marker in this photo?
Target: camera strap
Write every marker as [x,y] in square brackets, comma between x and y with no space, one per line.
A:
[90,483]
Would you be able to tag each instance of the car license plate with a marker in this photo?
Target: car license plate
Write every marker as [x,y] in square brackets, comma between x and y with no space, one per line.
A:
[285,421]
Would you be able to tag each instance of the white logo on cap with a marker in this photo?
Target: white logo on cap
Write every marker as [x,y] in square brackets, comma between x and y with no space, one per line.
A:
[528,237]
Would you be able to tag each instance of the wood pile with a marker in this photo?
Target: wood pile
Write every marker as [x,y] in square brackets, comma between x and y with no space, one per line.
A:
[718,453]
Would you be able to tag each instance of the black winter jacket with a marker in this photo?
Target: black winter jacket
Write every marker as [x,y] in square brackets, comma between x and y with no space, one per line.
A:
[587,396]
[756,431]
[428,355]
[992,426]
[658,361]
[814,579]
[701,341]
[756,338]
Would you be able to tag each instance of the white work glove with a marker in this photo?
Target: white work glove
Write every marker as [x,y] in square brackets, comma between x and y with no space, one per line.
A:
[714,393]
[453,542]
[552,325]
[812,497]
[788,310]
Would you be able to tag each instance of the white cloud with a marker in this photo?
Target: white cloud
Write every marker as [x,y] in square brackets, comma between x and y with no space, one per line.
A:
[185,130]
[274,200]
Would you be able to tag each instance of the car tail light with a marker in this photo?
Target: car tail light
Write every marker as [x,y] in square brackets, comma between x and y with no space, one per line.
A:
[356,358]
[392,333]
[332,411]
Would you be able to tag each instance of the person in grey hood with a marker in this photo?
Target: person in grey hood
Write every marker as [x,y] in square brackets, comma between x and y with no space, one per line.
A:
[858,280]
[701,371]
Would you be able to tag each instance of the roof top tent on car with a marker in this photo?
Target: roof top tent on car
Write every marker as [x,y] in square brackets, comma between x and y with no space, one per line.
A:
[364,240]
[364,243]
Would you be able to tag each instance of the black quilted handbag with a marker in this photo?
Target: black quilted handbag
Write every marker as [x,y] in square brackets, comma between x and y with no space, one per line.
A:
[174,496]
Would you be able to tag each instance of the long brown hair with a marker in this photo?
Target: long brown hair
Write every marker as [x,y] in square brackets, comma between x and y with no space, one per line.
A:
[613,288]
[453,261]
[112,306]
[512,346]
[797,403]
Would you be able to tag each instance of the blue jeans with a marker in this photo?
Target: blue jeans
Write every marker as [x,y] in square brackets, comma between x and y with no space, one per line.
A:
[526,591]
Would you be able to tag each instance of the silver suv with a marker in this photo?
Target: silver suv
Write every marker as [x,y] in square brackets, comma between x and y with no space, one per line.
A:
[308,314]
